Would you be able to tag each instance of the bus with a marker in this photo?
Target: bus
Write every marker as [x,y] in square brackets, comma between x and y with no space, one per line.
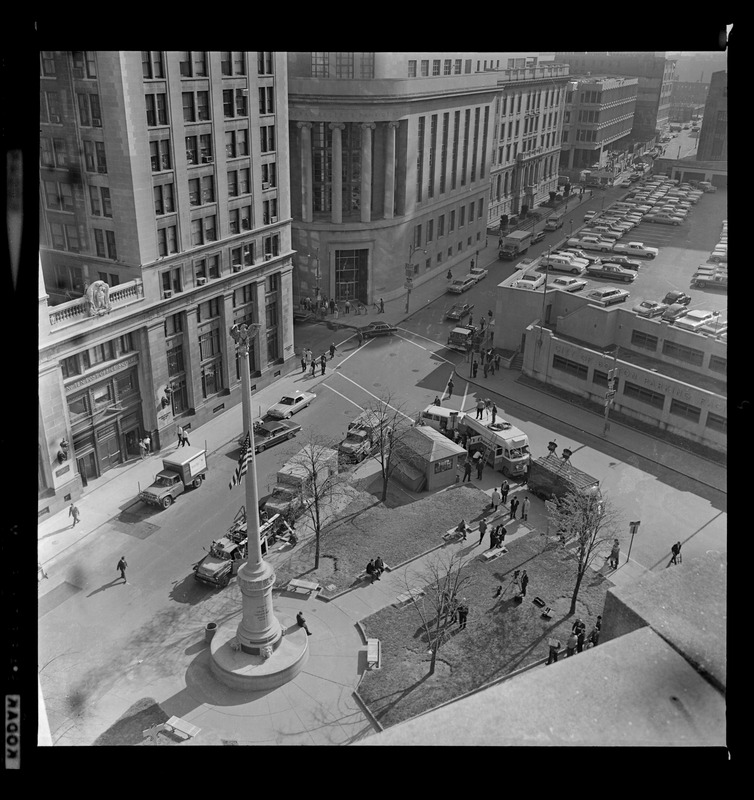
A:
[506,445]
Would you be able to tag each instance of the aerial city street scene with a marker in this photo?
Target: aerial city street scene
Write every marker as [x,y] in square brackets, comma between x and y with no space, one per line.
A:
[382,398]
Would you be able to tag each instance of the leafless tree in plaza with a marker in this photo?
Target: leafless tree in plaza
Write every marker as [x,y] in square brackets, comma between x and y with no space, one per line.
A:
[443,583]
[589,519]
[391,421]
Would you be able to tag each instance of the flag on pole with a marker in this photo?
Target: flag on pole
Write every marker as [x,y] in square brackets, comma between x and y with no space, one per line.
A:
[243,462]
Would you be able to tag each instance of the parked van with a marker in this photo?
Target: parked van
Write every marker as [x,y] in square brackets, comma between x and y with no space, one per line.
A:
[439,418]
[554,222]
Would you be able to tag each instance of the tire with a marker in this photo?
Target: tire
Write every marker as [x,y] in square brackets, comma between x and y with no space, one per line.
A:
[626,280]
[197,482]
[166,502]
[261,448]
[574,272]
[290,435]
[224,581]
[701,284]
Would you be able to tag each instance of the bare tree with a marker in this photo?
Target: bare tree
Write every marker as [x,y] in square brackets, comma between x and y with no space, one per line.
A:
[316,467]
[389,421]
[437,607]
[591,520]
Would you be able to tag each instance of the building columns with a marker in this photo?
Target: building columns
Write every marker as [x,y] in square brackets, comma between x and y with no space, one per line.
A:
[337,173]
[306,170]
[389,202]
[366,170]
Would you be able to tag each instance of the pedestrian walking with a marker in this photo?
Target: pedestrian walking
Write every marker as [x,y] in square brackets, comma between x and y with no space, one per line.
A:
[474,368]
[493,412]
[593,638]
[122,564]
[73,512]
[580,639]
[497,360]
[337,311]
[332,305]
[314,367]
[479,408]
[183,439]
[554,645]
[463,613]
[143,448]
[450,388]
[302,623]
[496,498]
[466,471]
[482,528]
[492,366]
[471,318]
[382,306]
[571,645]
[676,553]
[615,554]
[504,489]
[322,363]
[360,337]
[347,307]
[524,580]
[514,507]
[479,468]
[486,368]
[332,351]
[525,508]
[449,276]
[303,364]
[148,444]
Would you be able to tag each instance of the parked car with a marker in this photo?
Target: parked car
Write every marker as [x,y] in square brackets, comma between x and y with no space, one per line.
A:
[649,308]
[290,404]
[588,257]
[715,280]
[377,329]
[590,243]
[623,261]
[695,320]
[270,432]
[460,285]
[567,284]
[477,273]
[676,297]
[636,249]
[663,217]
[530,280]
[565,262]
[589,215]
[674,312]
[613,272]
[459,311]
[718,256]
[607,296]
[537,237]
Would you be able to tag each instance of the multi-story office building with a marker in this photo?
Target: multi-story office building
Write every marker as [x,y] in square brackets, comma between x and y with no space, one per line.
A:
[687,99]
[713,139]
[165,219]
[598,117]
[526,142]
[655,72]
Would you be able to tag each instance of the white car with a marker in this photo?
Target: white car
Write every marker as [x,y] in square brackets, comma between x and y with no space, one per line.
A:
[530,280]
[573,251]
[567,284]
[589,215]
[695,320]
[290,404]
[636,249]
[477,273]
[650,308]
[460,285]
[591,243]
[608,296]
[565,262]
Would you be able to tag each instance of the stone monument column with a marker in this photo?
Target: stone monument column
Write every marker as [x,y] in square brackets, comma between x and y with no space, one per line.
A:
[337,172]
[366,170]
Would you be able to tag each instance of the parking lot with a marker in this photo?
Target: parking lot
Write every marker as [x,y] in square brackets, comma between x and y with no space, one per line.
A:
[682,249]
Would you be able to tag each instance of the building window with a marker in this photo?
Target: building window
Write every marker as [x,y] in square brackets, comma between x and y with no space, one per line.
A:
[446,66]
[267,138]
[430,230]
[718,364]
[210,309]
[424,68]
[266,100]
[243,256]
[344,65]
[233,183]
[443,465]
[270,211]
[271,245]
[441,225]
[682,353]
[412,69]
[269,175]
[644,340]
[159,154]
[157,110]
[70,366]
[452,221]
[436,66]
[151,64]
[462,217]
[174,352]
[264,63]
[681,409]
[207,268]
[420,159]
[163,199]
[172,280]
[573,368]
[643,395]
[166,240]
[320,65]
[717,423]
[99,241]
[112,252]
[48,62]
[367,65]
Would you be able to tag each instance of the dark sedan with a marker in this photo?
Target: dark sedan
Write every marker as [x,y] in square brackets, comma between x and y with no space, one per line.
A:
[676,297]
[377,329]
[271,432]
[611,271]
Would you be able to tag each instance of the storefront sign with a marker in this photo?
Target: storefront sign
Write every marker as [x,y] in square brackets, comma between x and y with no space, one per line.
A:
[93,377]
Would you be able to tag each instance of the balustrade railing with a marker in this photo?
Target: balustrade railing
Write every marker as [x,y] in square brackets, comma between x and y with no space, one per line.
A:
[74,311]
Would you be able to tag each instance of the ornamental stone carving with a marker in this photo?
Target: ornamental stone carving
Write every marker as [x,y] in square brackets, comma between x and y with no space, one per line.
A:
[98,299]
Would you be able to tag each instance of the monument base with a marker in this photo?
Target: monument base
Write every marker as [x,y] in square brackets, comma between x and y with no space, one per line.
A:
[248,672]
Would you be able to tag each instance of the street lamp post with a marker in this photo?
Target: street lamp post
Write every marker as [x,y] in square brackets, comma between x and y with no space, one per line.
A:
[412,248]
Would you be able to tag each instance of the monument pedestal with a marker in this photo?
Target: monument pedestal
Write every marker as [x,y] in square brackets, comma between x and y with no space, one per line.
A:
[247,672]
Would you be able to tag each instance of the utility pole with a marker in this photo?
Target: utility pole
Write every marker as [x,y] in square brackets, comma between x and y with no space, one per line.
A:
[409,285]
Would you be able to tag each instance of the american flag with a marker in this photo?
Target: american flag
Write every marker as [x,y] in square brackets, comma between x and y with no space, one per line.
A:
[244,460]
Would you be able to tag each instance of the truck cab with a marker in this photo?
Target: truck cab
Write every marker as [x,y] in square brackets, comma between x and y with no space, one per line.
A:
[221,562]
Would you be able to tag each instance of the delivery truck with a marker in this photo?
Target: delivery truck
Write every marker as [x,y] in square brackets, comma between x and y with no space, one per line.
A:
[292,493]
[552,477]
[361,435]
[514,244]
[185,468]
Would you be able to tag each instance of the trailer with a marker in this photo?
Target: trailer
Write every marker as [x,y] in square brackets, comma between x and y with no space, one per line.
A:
[552,477]
[514,244]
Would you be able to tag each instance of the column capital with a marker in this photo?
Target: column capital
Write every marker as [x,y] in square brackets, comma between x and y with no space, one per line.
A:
[337,126]
[368,126]
[304,125]
[393,124]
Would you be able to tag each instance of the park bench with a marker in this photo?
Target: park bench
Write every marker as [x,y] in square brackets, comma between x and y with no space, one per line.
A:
[363,575]
[454,533]
[305,587]
[178,725]
[374,654]
[412,594]
[493,553]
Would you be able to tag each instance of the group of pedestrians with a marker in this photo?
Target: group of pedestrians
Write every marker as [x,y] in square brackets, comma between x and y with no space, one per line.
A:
[145,446]
[375,568]
[309,362]
[577,641]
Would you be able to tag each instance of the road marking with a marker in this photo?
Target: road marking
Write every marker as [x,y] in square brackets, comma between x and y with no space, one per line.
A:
[439,344]
[366,342]
[374,395]
[413,343]
[327,386]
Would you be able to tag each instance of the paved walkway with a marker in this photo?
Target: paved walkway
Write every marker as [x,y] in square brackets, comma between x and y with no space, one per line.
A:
[318,706]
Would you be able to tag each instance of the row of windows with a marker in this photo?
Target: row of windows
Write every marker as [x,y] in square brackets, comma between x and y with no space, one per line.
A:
[83,63]
[193,64]
[449,64]
[451,216]
[531,124]
[344,65]
[109,351]
[196,106]
[680,352]
[439,256]
[546,169]
[533,101]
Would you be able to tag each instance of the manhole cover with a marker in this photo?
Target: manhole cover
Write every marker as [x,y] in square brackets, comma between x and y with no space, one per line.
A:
[139,529]
[54,598]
